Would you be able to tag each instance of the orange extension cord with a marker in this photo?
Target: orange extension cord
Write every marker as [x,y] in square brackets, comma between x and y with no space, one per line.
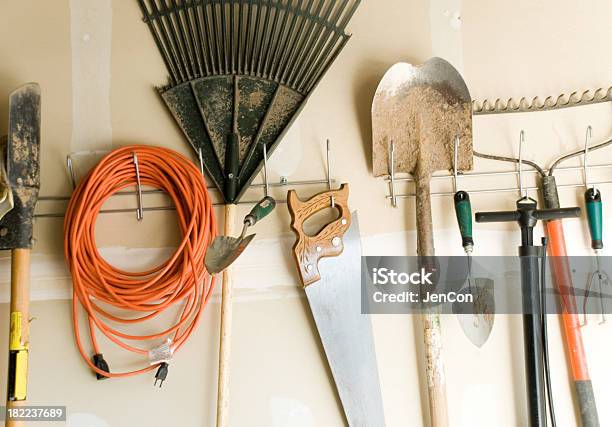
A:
[180,279]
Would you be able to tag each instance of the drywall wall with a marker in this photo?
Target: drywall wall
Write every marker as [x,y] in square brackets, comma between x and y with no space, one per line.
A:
[279,377]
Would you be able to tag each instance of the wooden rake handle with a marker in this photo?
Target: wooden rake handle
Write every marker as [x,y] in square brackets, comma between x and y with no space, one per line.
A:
[225,336]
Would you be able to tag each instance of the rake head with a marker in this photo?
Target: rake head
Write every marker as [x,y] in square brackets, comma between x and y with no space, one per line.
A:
[240,71]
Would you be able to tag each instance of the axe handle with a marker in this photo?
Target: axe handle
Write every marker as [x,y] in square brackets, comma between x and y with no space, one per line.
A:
[434,363]
[225,344]
[20,301]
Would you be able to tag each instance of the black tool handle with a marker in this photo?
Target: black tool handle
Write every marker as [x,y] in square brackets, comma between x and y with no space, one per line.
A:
[500,216]
[232,163]
[559,213]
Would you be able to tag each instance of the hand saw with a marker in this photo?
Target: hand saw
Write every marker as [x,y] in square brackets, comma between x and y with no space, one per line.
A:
[334,296]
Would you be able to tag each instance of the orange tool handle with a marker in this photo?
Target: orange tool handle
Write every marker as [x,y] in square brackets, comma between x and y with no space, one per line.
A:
[571,325]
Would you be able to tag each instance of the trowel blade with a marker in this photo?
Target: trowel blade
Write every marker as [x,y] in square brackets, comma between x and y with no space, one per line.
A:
[477,318]
[223,251]
[346,334]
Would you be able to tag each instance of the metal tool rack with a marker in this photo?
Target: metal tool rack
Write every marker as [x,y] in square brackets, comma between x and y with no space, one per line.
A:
[139,192]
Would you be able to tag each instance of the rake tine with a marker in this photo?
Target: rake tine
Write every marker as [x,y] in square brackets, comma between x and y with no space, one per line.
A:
[161,25]
[166,56]
[265,41]
[310,47]
[184,32]
[255,37]
[215,32]
[206,21]
[283,38]
[291,35]
[188,10]
[169,24]
[247,37]
[240,33]
[203,50]
[333,49]
[304,33]
[232,29]
[326,43]
[224,30]
[273,37]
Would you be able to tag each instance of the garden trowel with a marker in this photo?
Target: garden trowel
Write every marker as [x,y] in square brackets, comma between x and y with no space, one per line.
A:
[333,290]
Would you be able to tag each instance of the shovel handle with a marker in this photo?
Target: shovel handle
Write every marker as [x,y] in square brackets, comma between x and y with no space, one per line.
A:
[308,250]
[434,363]
[463,211]
[592,198]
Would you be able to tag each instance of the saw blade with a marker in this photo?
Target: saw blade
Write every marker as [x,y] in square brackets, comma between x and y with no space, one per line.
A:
[346,334]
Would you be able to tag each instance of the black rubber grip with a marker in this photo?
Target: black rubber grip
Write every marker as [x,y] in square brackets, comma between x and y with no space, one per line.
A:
[586,400]
[501,216]
[559,213]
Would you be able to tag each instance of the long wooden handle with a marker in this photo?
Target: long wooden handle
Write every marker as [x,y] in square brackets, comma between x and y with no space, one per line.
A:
[19,334]
[225,344]
[436,379]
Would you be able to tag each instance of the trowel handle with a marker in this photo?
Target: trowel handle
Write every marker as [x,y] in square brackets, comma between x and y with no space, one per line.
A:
[463,210]
[592,199]
[308,250]
[260,210]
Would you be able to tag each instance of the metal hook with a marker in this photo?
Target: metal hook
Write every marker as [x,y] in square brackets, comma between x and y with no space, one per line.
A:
[71,171]
[587,139]
[265,170]
[329,179]
[522,191]
[455,161]
[139,211]
[392,173]
[201,160]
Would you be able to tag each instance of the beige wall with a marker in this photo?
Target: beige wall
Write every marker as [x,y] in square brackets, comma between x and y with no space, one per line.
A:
[279,374]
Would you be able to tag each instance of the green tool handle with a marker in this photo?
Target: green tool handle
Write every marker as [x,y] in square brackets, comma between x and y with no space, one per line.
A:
[463,210]
[232,163]
[260,211]
[592,198]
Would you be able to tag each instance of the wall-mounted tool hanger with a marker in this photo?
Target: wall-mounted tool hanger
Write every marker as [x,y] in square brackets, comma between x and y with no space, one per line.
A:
[393,179]
[139,192]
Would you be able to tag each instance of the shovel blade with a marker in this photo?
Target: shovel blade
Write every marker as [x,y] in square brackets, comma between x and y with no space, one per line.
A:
[421,109]
[477,318]
[223,251]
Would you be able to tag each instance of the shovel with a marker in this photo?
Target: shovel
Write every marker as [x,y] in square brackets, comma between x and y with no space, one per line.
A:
[421,110]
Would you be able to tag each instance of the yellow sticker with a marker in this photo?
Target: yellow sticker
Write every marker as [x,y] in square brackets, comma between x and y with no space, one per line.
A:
[15,333]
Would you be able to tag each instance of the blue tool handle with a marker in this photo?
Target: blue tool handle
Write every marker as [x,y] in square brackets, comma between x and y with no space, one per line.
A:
[463,210]
[592,198]
[260,210]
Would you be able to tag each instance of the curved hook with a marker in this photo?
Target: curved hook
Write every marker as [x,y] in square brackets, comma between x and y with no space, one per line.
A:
[587,139]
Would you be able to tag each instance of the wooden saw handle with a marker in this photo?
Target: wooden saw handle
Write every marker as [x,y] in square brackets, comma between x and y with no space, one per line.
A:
[308,250]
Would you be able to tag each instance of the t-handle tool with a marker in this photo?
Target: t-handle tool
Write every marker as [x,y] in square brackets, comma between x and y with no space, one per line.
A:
[534,318]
